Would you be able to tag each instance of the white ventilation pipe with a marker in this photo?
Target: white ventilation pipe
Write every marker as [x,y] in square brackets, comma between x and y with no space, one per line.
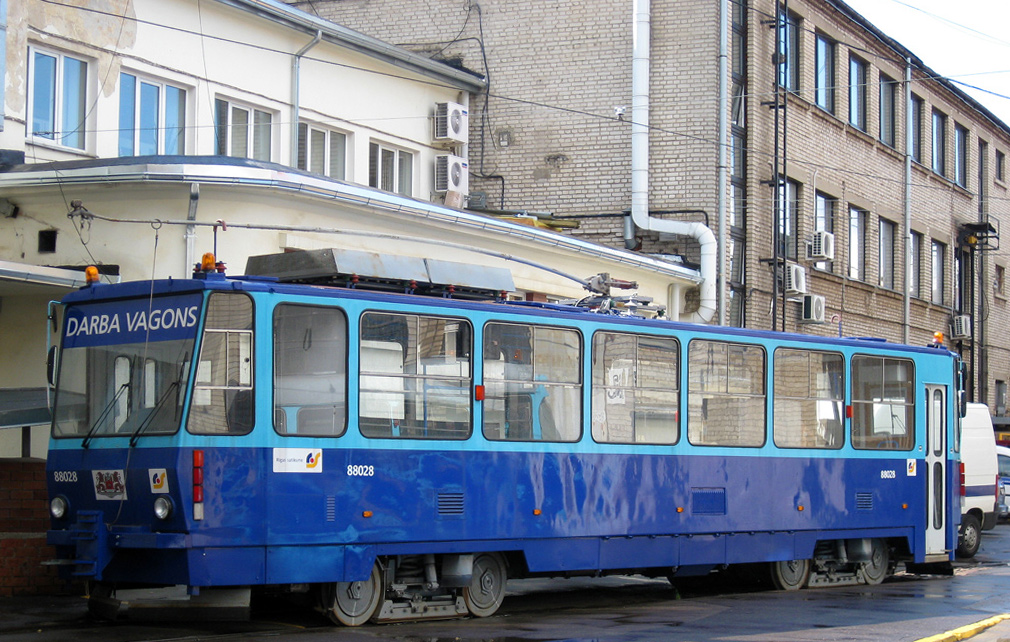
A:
[640,169]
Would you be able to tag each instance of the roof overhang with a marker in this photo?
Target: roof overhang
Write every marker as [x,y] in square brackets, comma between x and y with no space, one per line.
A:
[21,407]
[280,179]
[23,279]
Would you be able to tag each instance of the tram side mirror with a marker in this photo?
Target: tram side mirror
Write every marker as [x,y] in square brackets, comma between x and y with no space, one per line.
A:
[962,403]
[51,366]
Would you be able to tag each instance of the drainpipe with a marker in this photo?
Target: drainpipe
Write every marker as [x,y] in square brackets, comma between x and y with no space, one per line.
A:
[296,64]
[190,235]
[640,170]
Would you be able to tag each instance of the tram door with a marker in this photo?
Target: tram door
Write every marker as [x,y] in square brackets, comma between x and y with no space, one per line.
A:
[936,474]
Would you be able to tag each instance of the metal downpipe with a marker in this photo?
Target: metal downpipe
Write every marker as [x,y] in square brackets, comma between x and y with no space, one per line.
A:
[641,44]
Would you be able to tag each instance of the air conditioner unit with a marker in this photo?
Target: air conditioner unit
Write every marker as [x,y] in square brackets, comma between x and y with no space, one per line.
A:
[451,123]
[451,174]
[813,309]
[961,326]
[795,281]
[822,247]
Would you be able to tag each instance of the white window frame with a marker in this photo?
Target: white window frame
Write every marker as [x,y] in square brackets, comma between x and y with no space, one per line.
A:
[400,182]
[306,147]
[162,113]
[58,135]
[253,143]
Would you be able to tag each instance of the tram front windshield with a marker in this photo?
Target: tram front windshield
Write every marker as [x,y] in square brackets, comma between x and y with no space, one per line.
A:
[123,367]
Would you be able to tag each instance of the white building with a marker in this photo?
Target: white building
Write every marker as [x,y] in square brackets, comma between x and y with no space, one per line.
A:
[178,126]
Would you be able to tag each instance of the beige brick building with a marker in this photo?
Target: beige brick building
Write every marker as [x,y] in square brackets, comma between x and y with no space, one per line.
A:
[553,135]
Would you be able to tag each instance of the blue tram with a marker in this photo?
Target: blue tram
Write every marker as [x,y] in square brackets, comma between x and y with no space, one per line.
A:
[401,456]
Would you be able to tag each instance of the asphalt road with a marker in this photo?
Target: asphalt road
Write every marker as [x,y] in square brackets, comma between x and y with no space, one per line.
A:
[627,609]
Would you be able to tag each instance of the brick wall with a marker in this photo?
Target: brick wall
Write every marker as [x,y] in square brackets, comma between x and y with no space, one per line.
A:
[557,71]
[24,518]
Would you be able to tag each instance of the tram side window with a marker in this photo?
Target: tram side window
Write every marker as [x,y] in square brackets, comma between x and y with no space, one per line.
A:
[533,389]
[726,394]
[310,371]
[635,389]
[882,403]
[223,390]
[809,393]
[415,376]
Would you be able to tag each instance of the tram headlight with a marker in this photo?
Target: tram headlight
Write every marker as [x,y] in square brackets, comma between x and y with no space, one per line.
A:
[58,507]
[163,508]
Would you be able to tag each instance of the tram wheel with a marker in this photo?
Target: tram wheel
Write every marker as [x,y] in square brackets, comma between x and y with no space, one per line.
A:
[875,570]
[354,603]
[790,575]
[486,590]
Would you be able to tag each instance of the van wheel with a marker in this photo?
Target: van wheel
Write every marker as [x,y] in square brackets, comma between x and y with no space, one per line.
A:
[970,537]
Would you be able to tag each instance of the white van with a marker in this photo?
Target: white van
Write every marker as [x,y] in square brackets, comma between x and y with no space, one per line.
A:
[978,478]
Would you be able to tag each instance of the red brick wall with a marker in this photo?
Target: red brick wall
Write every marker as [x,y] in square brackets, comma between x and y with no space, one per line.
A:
[24,519]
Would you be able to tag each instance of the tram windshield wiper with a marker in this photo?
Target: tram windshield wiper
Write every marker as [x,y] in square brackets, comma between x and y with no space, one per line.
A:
[105,411]
[154,412]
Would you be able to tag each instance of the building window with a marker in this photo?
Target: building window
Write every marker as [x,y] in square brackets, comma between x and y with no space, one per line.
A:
[824,80]
[47,241]
[322,151]
[960,155]
[916,111]
[58,86]
[1000,397]
[1000,162]
[242,131]
[857,92]
[939,143]
[789,51]
[824,221]
[857,243]
[915,264]
[888,90]
[982,193]
[999,281]
[939,251]
[886,255]
[152,117]
[788,213]
[390,169]
[961,281]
